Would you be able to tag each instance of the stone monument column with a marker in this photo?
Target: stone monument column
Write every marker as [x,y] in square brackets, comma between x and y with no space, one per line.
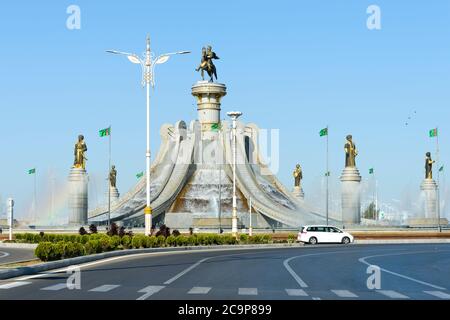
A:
[209,95]
[429,191]
[78,186]
[350,192]
[78,197]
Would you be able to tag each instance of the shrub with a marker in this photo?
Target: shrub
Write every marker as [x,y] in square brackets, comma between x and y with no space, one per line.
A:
[29,237]
[191,241]
[171,241]
[182,241]
[92,246]
[121,231]
[243,238]
[176,233]
[115,242]
[216,239]
[93,228]
[105,244]
[255,239]
[58,238]
[84,238]
[151,242]
[160,241]
[43,251]
[51,237]
[82,231]
[291,238]
[229,239]
[138,241]
[37,238]
[126,241]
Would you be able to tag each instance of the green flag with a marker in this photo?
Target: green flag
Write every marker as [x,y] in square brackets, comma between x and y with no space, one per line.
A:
[104,132]
[433,133]
[327,174]
[371,171]
[140,175]
[441,169]
[32,171]
[323,132]
[215,127]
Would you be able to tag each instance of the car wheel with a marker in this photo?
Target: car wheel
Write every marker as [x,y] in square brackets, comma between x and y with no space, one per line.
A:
[346,240]
[313,240]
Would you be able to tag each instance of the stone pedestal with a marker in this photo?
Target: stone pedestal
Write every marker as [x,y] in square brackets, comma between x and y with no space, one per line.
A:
[426,222]
[114,195]
[78,197]
[350,196]
[429,193]
[298,192]
[208,96]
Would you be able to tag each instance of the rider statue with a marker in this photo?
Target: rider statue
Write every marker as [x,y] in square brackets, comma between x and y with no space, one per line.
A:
[207,63]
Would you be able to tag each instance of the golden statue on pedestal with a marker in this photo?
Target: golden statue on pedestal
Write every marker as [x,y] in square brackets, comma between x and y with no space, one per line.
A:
[298,175]
[80,149]
[207,64]
[113,177]
[350,152]
[428,166]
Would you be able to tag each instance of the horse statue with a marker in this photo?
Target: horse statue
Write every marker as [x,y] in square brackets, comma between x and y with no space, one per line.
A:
[207,64]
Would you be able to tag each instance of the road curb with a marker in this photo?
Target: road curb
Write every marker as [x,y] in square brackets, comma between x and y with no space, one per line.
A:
[24,271]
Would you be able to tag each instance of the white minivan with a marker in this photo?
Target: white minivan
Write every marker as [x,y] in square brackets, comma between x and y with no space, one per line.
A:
[323,234]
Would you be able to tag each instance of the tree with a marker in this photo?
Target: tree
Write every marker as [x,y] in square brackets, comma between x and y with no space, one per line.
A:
[113,230]
[93,228]
[370,212]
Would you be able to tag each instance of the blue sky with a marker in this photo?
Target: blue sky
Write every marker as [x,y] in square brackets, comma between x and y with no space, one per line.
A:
[293,65]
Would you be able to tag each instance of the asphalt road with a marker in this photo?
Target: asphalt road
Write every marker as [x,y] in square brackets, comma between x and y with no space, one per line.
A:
[9,255]
[411,271]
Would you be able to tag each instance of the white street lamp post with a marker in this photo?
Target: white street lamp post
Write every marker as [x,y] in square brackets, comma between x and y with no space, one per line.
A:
[234,115]
[10,217]
[148,63]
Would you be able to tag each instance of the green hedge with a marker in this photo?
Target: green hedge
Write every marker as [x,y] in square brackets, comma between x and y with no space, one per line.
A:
[55,247]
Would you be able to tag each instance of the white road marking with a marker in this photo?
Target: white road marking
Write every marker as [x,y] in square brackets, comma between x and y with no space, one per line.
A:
[40,275]
[199,290]
[13,284]
[105,288]
[344,294]
[363,260]
[316,298]
[182,273]
[3,254]
[296,292]
[150,290]
[392,294]
[138,255]
[248,291]
[56,287]
[293,274]
[439,294]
